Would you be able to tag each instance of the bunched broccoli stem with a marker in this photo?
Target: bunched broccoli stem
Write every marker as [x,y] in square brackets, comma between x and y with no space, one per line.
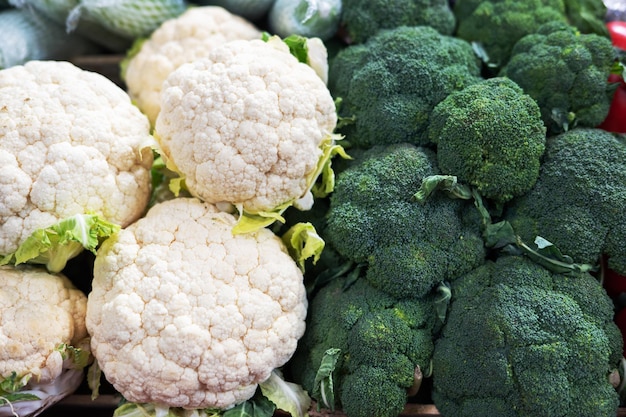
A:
[501,235]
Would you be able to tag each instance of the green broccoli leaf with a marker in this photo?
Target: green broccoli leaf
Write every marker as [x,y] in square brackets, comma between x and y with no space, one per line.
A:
[323,385]
[447,183]
[53,246]
[549,256]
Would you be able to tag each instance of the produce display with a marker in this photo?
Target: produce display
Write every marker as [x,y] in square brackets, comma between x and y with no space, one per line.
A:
[313,207]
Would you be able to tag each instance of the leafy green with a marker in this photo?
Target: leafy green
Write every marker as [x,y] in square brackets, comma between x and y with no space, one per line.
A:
[323,384]
[303,242]
[54,245]
[296,43]
[257,406]
[287,396]
[10,389]
[78,357]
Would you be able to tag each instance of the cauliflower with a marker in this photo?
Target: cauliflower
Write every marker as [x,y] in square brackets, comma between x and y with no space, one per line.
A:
[184,313]
[177,41]
[44,344]
[249,126]
[71,144]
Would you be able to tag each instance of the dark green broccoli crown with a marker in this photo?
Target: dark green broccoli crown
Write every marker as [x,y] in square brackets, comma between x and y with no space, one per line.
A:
[409,247]
[368,392]
[566,73]
[579,200]
[382,340]
[364,18]
[498,24]
[519,334]
[391,83]
[491,136]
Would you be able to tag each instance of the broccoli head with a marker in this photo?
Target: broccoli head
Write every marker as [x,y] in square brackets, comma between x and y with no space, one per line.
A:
[361,19]
[391,83]
[566,72]
[382,341]
[496,25]
[579,200]
[409,247]
[519,334]
[490,135]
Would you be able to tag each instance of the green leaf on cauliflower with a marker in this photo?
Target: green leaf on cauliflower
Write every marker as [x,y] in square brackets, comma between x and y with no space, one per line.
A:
[257,406]
[297,45]
[53,246]
[251,222]
[287,396]
[79,358]
[321,182]
[324,171]
[13,384]
[303,242]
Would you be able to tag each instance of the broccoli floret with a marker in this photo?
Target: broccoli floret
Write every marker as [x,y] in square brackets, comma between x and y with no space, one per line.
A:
[409,247]
[579,200]
[490,135]
[391,83]
[382,341]
[361,19]
[522,341]
[496,25]
[566,73]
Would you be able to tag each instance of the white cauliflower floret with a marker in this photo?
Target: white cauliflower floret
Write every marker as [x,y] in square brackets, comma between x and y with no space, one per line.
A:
[41,316]
[178,41]
[185,314]
[38,312]
[71,142]
[246,126]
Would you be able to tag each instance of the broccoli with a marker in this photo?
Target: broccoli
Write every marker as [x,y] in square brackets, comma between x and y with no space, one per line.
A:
[496,25]
[363,18]
[490,135]
[522,341]
[382,341]
[408,247]
[587,15]
[579,200]
[391,83]
[566,73]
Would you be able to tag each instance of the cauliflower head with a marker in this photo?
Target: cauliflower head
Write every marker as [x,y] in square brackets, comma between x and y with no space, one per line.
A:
[71,142]
[248,125]
[38,313]
[177,41]
[184,313]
